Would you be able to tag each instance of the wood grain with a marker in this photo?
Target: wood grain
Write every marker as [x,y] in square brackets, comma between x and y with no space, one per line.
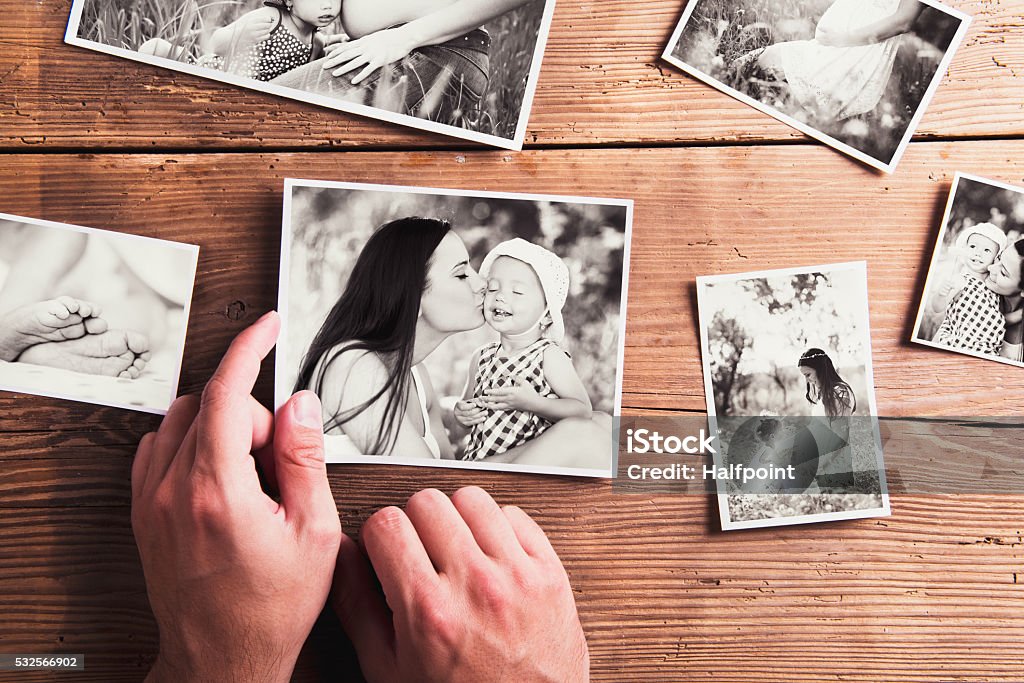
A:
[601,82]
[933,593]
[711,211]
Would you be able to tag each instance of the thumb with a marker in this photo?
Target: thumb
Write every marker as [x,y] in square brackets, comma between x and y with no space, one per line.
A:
[299,459]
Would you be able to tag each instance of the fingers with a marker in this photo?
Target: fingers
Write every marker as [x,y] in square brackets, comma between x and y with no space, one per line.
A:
[469,414]
[169,437]
[493,397]
[299,463]
[363,613]
[140,464]
[343,53]
[350,65]
[442,530]
[471,420]
[398,556]
[491,528]
[367,70]
[223,426]
[262,424]
[530,535]
[263,442]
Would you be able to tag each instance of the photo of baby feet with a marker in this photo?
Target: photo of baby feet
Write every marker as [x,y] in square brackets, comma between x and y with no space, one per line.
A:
[54,320]
[93,316]
[113,353]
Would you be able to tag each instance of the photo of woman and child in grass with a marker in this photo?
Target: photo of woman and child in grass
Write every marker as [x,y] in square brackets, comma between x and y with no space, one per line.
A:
[456,329]
[855,74]
[466,68]
[788,380]
[973,301]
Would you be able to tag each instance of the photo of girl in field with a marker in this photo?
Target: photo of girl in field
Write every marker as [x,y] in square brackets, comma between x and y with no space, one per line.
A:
[461,67]
[789,384]
[853,72]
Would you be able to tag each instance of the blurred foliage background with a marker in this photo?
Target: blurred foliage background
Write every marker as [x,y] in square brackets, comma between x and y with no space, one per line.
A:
[974,203]
[759,327]
[188,24]
[329,227]
[719,31]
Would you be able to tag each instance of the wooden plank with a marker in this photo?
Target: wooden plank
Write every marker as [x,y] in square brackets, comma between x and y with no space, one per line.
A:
[934,592]
[62,468]
[601,82]
[711,211]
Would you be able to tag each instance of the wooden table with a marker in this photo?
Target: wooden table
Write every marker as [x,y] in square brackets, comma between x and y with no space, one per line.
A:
[933,593]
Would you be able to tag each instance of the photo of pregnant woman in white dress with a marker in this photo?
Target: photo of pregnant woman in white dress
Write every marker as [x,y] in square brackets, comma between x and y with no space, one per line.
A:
[856,74]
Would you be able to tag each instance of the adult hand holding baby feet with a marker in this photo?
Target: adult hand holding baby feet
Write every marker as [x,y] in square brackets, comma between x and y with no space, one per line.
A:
[53,320]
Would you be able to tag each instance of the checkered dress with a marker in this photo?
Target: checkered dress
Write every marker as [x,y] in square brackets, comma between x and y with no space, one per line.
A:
[973,320]
[505,429]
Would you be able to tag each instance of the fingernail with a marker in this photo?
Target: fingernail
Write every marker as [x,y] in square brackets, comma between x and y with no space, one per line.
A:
[265,316]
[306,407]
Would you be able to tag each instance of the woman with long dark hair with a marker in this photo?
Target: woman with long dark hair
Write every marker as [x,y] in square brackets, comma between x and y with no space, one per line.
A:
[824,385]
[831,397]
[411,288]
[1007,274]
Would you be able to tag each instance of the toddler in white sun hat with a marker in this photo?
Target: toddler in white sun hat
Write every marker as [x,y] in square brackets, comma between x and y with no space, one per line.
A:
[975,249]
[521,385]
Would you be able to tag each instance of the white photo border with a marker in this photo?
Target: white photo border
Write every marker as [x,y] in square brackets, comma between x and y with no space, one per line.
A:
[111,234]
[915,335]
[515,143]
[709,397]
[282,392]
[887,167]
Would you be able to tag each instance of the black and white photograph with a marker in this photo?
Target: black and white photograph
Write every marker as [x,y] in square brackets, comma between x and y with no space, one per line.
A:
[789,389]
[457,329]
[854,74]
[464,68]
[972,301]
[90,315]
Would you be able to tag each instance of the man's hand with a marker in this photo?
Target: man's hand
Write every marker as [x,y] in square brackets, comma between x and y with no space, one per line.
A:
[235,579]
[474,592]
